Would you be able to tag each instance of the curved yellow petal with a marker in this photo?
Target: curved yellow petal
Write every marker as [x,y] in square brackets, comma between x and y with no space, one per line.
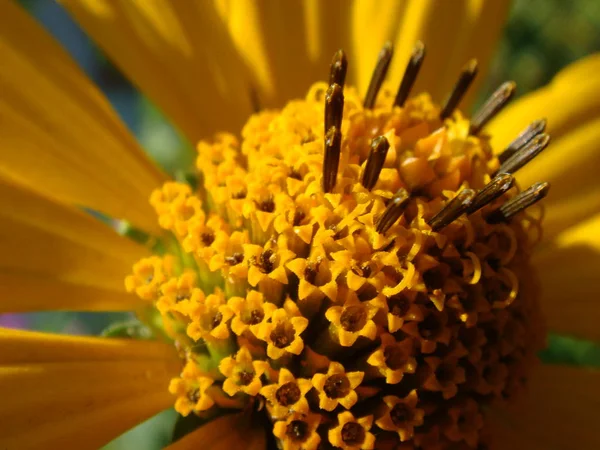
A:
[571,166]
[559,411]
[224,433]
[28,347]
[572,107]
[59,134]
[569,271]
[177,53]
[54,405]
[57,257]
[453,33]
[288,45]
[567,102]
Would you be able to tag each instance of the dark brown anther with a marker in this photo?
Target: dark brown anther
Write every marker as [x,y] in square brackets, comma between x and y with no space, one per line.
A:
[492,106]
[331,159]
[526,154]
[379,149]
[410,74]
[524,200]
[338,68]
[491,191]
[523,139]
[452,210]
[460,89]
[334,107]
[381,68]
[394,210]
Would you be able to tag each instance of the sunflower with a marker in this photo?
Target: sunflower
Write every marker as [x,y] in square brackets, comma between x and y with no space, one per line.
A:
[362,267]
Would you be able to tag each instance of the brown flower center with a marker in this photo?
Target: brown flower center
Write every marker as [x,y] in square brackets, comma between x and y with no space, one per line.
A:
[353,434]
[288,394]
[337,386]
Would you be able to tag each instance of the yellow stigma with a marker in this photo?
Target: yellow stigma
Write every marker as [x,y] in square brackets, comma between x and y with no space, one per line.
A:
[368,281]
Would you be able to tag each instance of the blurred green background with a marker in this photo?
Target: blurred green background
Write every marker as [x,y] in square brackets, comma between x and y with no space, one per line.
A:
[541,36]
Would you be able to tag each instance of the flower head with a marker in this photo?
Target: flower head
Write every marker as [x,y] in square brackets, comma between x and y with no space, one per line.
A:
[368,262]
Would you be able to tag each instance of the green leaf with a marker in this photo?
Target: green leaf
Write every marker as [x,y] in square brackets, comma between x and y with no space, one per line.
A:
[131,329]
[571,351]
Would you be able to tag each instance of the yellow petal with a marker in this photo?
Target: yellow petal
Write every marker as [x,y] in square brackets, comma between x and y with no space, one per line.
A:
[53,405]
[55,256]
[178,53]
[571,165]
[568,101]
[289,45]
[224,433]
[59,134]
[453,33]
[27,347]
[559,412]
[569,270]
[572,107]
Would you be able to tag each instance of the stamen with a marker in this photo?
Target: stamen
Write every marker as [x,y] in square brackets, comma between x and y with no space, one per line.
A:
[393,211]
[494,189]
[381,68]
[453,210]
[525,154]
[379,149]
[524,200]
[492,106]
[523,139]
[331,158]
[334,107]
[460,88]
[410,74]
[338,69]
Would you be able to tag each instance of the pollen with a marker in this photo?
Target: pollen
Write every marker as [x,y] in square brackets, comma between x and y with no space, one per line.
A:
[356,268]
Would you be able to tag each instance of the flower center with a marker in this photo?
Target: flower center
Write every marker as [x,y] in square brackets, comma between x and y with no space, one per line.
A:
[288,394]
[297,430]
[337,386]
[283,335]
[353,434]
[353,258]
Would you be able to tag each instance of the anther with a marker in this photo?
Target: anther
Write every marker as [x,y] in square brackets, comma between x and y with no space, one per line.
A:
[331,158]
[525,154]
[379,149]
[491,191]
[338,68]
[524,200]
[410,74]
[523,139]
[452,210]
[393,211]
[334,107]
[381,68]
[492,106]
[460,88]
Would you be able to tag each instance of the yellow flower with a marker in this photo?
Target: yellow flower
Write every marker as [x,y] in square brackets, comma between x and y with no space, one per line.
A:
[408,233]
[287,396]
[401,415]
[337,387]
